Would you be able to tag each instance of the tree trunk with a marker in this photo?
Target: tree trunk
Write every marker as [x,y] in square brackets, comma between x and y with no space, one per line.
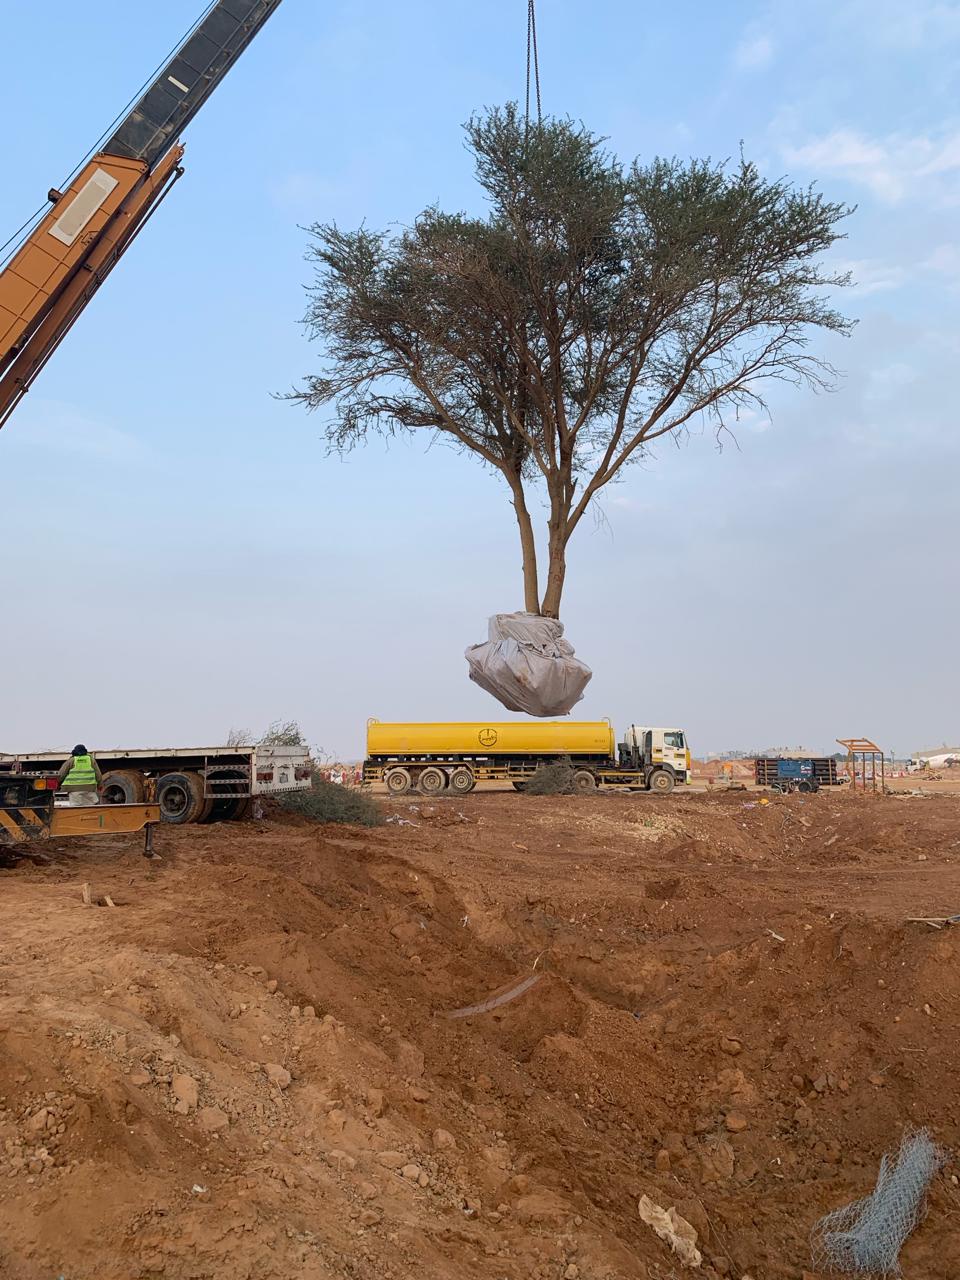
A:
[556,573]
[528,544]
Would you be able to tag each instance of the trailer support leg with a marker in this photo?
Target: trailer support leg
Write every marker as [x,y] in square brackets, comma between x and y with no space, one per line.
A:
[148,841]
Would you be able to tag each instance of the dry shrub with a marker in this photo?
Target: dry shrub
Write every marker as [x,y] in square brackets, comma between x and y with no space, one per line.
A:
[551,780]
[330,802]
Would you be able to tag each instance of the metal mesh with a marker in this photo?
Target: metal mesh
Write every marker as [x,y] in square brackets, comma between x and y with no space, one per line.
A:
[865,1238]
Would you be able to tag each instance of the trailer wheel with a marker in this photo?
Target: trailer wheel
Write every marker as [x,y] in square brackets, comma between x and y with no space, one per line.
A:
[432,781]
[519,786]
[122,786]
[180,797]
[462,781]
[226,809]
[398,782]
[662,781]
[583,780]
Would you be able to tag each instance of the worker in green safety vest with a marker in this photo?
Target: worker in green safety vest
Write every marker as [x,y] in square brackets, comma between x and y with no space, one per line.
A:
[80,777]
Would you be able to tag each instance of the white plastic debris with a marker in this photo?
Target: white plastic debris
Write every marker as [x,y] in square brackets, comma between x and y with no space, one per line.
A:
[528,666]
[677,1232]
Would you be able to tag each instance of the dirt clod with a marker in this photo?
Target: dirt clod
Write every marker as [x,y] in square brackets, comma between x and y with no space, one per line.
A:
[212,1119]
[277,1074]
[186,1091]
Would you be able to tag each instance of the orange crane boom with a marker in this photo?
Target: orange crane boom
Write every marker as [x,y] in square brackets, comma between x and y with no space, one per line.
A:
[62,262]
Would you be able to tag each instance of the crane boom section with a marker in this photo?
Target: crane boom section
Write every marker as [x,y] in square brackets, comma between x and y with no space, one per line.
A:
[185,83]
[24,361]
[60,244]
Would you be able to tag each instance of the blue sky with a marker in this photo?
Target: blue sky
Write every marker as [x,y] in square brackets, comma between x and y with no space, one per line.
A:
[199,563]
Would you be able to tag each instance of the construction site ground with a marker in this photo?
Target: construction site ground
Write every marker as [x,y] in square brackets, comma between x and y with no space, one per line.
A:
[246,1066]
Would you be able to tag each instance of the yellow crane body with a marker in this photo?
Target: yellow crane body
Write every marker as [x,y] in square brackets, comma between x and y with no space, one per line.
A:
[67,254]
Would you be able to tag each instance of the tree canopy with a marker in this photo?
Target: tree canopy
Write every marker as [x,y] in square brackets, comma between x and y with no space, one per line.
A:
[596,308]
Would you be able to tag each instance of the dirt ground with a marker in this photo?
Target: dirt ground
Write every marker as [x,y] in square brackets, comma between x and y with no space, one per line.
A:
[247,1067]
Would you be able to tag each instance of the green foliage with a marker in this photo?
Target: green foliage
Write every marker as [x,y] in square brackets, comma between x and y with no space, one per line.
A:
[551,780]
[329,802]
[596,308]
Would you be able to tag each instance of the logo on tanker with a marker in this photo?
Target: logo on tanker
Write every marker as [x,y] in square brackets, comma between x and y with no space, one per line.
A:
[488,737]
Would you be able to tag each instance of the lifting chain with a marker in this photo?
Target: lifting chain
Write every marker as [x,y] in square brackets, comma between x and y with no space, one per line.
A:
[533,60]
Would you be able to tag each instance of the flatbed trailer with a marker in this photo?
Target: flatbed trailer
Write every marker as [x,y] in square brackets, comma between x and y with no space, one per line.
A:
[189,784]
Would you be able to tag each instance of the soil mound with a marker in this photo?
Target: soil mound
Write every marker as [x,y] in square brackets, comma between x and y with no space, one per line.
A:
[246,1068]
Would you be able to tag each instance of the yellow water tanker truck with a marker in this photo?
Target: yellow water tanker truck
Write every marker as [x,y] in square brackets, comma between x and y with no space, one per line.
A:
[455,756]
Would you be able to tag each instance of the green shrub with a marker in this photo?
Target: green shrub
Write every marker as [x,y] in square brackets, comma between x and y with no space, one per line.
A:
[551,780]
[329,802]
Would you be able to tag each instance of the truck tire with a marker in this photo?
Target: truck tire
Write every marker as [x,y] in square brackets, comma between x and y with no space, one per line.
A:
[462,781]
[519,786]
[122,786]
[180,797]
[583,780]
[432,781]
[662,782]
[398,782]
[226,809]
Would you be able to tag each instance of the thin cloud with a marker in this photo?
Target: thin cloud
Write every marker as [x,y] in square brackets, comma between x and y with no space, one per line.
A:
[895,168]
[888,382]
[873,276]
[53,426]
[944,262]
[754,52]
[914,25]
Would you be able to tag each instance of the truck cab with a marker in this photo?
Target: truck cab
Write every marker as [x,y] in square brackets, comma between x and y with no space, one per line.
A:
[646,747]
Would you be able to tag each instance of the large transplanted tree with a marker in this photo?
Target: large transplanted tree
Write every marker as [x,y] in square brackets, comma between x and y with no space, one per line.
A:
[595,309]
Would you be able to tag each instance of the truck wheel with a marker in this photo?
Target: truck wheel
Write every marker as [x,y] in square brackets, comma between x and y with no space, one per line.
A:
[661,781]
[519,786]
[583,780]
[226,809]
[462,781]
[398,782]
[180,797]
[122,786]
[432,781]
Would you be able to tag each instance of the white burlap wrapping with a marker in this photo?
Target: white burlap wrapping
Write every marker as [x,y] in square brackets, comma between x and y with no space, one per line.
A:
[528,666]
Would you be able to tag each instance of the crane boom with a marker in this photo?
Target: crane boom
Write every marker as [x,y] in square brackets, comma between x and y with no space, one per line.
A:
[64,260]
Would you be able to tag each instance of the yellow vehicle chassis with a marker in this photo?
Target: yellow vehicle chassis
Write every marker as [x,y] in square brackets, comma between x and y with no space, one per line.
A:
[516,771]
[103,819]
[22,823]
